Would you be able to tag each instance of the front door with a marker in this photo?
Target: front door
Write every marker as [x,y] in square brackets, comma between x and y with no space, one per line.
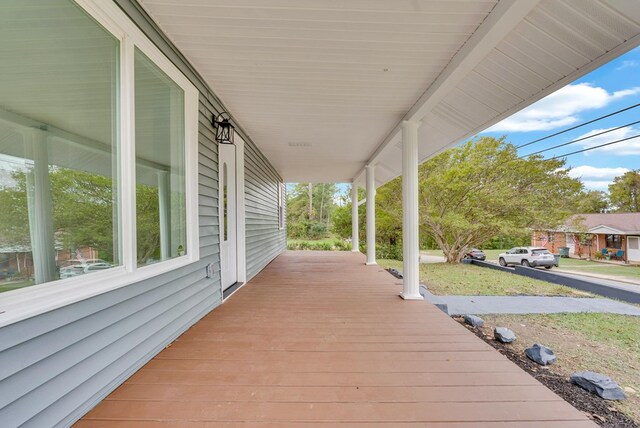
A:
[227,214]
[571,243]
[633,248]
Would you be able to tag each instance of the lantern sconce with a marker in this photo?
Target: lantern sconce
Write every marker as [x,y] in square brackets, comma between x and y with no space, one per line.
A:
[224,128]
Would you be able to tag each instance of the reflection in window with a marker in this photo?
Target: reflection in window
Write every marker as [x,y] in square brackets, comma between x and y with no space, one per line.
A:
[58,144]
[160,164]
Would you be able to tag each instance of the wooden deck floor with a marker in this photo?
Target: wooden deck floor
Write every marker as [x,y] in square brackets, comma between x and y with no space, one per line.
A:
[318,339]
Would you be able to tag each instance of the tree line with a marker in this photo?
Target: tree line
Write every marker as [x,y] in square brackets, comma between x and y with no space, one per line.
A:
[477,194]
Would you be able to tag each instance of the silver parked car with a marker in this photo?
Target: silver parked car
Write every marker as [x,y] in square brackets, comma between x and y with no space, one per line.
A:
[527,256]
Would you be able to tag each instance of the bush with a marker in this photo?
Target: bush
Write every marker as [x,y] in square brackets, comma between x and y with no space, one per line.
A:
[386,251]
[323,245]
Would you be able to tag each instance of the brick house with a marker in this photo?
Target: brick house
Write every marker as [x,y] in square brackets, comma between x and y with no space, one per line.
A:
[588,234]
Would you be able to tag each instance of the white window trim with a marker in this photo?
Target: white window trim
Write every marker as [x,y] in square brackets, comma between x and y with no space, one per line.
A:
[17,305]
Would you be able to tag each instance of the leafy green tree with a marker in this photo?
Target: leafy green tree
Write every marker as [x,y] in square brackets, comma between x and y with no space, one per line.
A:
[309,208]
[592,201]
[482,189]
[83,214]
[624,192]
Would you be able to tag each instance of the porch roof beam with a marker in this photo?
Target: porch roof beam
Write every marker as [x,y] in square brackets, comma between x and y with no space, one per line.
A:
[506,15]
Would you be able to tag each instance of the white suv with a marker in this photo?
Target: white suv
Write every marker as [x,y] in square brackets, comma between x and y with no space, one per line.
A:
[527,256]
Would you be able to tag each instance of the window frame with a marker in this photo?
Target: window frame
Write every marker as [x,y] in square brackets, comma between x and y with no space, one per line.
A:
[16,305]
[613,241]
[281,199]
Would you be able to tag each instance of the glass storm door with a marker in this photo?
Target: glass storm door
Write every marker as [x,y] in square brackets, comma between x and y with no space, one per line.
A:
[227,209]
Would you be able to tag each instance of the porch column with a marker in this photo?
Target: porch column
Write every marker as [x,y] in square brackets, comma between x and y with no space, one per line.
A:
[410,244]
[40,210]
[164,202]
[371,215]
[355,244]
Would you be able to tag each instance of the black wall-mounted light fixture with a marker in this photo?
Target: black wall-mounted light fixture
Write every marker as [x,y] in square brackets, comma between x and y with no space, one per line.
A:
[224,128]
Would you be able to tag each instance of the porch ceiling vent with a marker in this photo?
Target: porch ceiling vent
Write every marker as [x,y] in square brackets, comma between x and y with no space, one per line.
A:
[299,144]
[224,128]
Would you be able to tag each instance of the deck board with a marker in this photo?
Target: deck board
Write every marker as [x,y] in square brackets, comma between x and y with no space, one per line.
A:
[319,339]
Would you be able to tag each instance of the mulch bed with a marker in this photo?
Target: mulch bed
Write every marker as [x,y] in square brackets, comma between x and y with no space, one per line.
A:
[599,410]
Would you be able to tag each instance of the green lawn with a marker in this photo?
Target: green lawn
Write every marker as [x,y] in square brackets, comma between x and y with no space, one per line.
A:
[603,343]
[468,280]
[8,286]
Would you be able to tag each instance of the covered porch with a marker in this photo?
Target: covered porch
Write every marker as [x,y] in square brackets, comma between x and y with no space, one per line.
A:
[321,339]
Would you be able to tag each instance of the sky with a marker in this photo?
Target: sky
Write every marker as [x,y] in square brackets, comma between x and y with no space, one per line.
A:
[612,87]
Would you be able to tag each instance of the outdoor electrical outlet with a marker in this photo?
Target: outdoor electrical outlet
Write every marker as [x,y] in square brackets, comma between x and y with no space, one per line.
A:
[209,270]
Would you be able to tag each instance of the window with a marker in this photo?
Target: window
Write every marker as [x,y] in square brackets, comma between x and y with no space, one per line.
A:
[613,241]
[281,199]
[59,145]
[225,202]
[98,153]
[550,236]
[160,168]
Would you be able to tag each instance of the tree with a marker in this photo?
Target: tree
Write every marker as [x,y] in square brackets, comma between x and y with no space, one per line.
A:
[482,189]
[309,209]
[83,213]
[624,192]
[592,201]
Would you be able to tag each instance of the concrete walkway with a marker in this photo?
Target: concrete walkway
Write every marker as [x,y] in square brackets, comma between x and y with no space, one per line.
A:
[460,305]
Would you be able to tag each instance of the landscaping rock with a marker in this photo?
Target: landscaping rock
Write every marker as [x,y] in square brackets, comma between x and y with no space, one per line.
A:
[504,335]
[473,320]
[602,385]
[541,354]
[395,272]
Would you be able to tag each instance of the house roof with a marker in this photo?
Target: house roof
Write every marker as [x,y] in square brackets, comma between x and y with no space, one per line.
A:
[617,223]
[322,87]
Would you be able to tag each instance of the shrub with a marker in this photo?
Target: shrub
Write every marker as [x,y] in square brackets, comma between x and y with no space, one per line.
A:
[387,251]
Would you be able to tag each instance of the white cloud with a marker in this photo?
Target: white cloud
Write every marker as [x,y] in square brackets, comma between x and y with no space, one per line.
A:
[628,64]
[587,171]
[561,108]
[597,184]
[624,148]
[596,178]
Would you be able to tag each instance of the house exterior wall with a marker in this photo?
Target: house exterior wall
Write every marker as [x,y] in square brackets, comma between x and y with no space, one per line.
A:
[559,239]
[549,240]
[56,366]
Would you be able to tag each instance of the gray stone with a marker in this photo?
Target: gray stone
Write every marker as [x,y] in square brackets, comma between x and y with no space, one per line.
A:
[541,354]
[504,335]
[602,385]
[473,320]
[395,272]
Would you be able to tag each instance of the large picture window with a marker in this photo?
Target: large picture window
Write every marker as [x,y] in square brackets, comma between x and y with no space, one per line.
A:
[59,189]
[98,139]
[160,172]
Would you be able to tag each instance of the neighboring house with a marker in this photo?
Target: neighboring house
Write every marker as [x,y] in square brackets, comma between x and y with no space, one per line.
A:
[106,117]
[588,234]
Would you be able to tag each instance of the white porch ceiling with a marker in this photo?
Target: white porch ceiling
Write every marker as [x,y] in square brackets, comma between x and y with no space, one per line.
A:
[321,86]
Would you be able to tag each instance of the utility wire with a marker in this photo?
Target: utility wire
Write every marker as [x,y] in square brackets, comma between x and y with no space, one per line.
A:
[578,126]
[582,139]
[595,147]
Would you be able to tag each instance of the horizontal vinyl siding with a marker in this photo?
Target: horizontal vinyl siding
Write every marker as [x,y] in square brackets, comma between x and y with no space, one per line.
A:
[264,239]
[56,366]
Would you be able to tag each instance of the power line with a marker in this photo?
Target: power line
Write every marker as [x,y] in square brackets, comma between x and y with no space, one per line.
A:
[578,126]
[595,147]
[582,139]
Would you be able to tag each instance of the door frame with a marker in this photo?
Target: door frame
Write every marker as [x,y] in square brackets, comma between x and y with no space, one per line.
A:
[241,260]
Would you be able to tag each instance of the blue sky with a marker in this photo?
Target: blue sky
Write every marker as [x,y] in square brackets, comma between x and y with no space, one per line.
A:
[612,87]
